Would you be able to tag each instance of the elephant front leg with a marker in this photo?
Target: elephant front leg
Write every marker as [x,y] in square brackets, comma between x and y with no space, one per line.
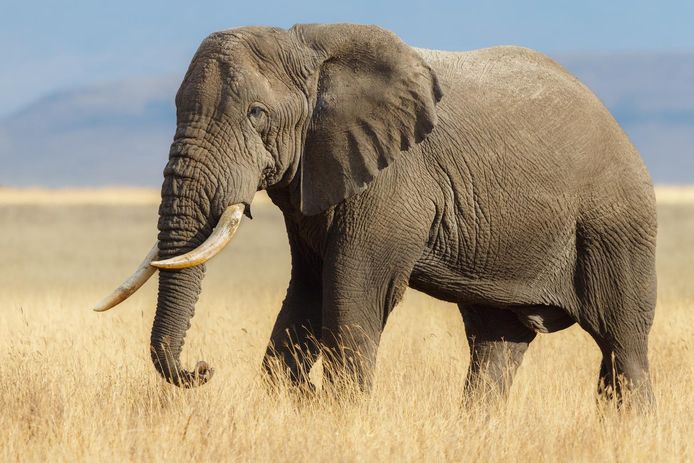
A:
[353,319]
[363,279]
[293,345]
[294,340]
[350,345]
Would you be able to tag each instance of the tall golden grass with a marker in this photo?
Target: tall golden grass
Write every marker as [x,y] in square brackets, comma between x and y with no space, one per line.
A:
[78,386]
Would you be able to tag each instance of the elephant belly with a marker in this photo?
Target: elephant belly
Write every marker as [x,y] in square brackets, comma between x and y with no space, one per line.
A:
[544,319]
[449,282]
[439,281]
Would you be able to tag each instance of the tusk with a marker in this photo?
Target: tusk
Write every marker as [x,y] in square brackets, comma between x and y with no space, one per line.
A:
[220,237]
[128,287]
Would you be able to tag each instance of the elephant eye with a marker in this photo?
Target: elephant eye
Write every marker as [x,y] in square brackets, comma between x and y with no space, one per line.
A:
[256,111]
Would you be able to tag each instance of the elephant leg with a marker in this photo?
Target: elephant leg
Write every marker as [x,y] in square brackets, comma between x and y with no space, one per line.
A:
[293,345]
[349,351]
[618,297]
[355,311]
[365,274]
[624,366]
[625,371]
[498,340]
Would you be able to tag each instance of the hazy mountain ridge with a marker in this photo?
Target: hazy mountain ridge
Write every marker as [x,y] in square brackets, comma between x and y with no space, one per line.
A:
[114,134]
[118,133]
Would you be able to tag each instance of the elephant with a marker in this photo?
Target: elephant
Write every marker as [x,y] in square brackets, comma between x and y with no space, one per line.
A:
[490,178]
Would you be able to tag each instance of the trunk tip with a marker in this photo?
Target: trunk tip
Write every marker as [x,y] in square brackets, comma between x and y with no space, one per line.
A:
[202,372]
[200,375]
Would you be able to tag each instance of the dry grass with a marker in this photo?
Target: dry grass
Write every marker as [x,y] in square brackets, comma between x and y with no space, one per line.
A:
[675,195]
[75,385]
[78,196]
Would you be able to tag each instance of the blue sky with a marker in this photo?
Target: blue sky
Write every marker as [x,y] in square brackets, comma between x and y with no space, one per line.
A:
[53,45]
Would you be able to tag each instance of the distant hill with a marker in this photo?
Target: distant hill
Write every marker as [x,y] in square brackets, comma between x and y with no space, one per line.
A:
[119,133]
[112,134]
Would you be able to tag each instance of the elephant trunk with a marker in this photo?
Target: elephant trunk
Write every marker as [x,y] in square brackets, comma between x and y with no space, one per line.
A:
[178,293]
[197,218]
[182,227]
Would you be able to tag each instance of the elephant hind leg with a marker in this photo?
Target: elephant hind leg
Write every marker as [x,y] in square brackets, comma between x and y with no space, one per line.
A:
[498,340]
[616,285]
[625,375]
[624,366]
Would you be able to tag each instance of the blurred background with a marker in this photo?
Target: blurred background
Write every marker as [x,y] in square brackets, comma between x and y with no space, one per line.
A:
[87,87]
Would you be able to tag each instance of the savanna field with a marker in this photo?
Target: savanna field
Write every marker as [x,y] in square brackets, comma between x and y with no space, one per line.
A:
[79,386]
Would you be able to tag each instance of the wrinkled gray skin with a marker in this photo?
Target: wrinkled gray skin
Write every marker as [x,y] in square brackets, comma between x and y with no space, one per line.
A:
[491,178]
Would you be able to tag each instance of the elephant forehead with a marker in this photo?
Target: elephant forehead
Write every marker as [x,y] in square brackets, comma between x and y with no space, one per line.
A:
[221,73]
[207,75]
[258,42]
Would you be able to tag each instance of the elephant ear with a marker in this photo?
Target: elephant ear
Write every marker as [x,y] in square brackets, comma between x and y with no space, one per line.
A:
[375,98]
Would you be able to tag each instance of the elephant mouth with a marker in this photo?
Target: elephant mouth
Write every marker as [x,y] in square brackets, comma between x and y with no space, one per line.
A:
[222,234]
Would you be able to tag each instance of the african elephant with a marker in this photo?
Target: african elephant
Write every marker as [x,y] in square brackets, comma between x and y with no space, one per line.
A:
[489,178]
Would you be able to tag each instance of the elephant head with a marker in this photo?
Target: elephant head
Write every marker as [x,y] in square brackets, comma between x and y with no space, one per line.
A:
[320,109]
